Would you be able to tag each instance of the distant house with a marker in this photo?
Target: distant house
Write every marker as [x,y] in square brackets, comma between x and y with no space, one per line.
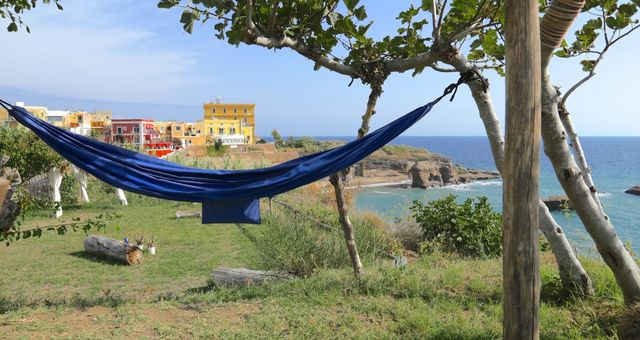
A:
[233,124]
[136,132]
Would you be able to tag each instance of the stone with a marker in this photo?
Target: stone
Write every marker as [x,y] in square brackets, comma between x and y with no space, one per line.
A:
[635,190]
[558,202]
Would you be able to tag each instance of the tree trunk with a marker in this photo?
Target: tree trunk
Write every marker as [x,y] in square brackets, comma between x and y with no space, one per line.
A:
[113,250]
[337,180]
[9,209]
[82,179]
[122,197]
[585,169]
[376,92]
[572,274]
[572,180]
[581,194]
[223,276]
[521,272]
[55,180]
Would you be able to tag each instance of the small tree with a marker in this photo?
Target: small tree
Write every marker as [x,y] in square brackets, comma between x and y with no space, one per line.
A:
[277,139]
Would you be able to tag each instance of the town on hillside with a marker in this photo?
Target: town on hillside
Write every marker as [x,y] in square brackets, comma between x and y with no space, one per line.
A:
[223,123]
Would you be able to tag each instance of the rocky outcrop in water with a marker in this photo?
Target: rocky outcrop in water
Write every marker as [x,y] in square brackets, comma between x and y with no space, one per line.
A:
[558,202]
[634,190]
[429,174]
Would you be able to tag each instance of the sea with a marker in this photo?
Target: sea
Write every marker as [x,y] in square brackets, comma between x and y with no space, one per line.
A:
[615,163]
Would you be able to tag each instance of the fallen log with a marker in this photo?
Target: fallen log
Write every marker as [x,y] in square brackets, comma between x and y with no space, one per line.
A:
[223,276]
[188,214]
[114,250]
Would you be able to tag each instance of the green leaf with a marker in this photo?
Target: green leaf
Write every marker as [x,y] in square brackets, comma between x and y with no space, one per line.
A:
[12,27]
[167,4]
[187,20]
[360,13]
[351,4]
[587,65]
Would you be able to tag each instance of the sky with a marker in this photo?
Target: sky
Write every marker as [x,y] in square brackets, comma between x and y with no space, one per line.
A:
[134,59]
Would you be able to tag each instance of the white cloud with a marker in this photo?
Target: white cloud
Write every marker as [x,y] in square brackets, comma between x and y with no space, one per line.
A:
[78,54]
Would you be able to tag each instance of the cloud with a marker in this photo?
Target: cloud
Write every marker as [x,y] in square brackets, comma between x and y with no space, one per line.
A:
[78,54]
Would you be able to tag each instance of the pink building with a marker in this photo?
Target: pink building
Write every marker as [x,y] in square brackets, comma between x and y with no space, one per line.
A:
[132,131]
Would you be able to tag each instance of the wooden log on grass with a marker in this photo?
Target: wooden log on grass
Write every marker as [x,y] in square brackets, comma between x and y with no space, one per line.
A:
[188,214]
[114,250]
[224,276]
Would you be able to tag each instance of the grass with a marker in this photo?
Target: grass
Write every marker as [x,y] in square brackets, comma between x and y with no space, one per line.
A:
[50,289]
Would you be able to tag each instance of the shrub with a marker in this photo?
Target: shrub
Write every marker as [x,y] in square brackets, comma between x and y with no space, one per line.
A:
[470,229]
[408,232]
[298,246]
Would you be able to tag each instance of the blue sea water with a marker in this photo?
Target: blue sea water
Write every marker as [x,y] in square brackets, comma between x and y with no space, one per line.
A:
[615,162]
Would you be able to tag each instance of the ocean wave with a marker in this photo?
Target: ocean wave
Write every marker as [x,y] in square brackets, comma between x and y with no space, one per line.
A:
[605,194]
[458,187]
[487,183]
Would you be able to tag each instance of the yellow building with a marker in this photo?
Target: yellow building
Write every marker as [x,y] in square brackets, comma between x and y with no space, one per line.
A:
[38,111]
[232,123]
[4,116]
[99,121]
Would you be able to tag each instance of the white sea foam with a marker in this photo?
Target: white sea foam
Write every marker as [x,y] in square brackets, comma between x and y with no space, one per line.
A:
[605,194]
[487,183]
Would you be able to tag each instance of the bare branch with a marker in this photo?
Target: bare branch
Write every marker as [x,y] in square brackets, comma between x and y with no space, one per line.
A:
[404,64]
[434,21]
[592,73]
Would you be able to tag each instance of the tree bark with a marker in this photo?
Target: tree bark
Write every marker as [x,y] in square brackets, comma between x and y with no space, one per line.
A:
[55,180]
[608,243]
[572,274]
[111,249]
[585,169]
[588,208]
[244,277]
[376,92]
[122,197]
[521,272]
[82,179]
[337,180]
[9,209]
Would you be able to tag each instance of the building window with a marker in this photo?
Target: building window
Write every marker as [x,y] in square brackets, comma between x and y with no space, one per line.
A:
[245,119]
[235,118]
[245,110]
[119,130]
[235,110]
[221,131]
[177,128]
[214,110]
[224,110]
[136,130]
[232,131]
[210,131]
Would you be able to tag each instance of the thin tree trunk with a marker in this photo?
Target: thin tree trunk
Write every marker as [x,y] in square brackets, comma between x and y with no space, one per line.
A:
[608,243]
[376,92]
[521,172]
[337,180]
[579,152]
[55,180]
[572,274]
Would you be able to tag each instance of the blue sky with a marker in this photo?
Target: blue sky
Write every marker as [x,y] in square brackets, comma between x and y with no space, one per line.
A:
[134,59]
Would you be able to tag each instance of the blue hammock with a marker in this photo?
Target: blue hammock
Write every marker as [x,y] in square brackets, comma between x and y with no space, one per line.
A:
[227,196]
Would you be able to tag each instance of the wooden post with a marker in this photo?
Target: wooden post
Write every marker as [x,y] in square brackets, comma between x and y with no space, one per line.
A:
[521,272]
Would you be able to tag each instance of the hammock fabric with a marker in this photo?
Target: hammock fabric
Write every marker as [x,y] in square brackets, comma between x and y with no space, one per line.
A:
[227,196]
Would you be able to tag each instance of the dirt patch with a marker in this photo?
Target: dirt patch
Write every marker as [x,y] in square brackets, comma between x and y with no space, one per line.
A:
[131,320]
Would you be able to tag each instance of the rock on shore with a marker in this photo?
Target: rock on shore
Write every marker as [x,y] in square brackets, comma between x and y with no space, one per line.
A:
[634,190]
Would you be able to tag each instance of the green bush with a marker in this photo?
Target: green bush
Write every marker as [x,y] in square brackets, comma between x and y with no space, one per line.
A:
[69,190]
[298,246]
[470,229]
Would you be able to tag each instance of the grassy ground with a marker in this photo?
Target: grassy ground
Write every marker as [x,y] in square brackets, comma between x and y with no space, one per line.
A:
[49,288]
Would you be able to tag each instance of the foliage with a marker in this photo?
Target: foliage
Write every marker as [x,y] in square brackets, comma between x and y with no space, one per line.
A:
[471,228]
[27,153]
[14,9]
[69,190]
[277,139]
[77,224]
[217,149]
[297,245]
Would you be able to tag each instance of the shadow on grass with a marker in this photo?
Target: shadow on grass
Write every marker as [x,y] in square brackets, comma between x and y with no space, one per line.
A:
[8,304]
[96,258]
[246,233]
